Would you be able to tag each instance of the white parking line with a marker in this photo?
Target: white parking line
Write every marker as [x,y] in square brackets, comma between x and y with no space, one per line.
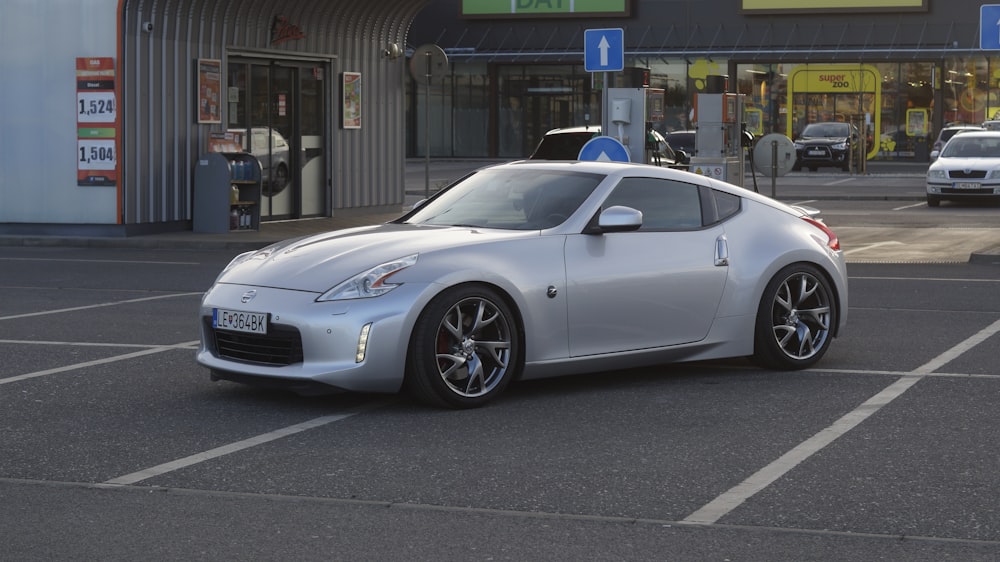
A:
[237,446]
[838,182]
[99,305]
[730,500]
[904,207]
[63,369]
[870,246]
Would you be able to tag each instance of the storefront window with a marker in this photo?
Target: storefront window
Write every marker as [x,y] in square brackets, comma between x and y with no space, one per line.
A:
[671,77]
[472,110]
[536,99]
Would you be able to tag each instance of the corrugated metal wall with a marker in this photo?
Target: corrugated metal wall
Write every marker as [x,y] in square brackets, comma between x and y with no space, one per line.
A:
[161,138]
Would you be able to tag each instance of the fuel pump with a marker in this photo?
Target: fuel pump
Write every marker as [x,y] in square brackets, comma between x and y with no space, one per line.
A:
[629,113]
[720,140]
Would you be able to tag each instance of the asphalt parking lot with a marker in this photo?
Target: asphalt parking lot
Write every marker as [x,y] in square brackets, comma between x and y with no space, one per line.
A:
[115,445]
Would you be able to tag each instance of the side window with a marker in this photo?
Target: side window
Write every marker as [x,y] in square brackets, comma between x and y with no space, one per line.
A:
[727,204]
[665,204]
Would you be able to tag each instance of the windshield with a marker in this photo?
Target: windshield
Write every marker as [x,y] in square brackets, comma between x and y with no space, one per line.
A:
[825,130]
[516,199]
[962,146]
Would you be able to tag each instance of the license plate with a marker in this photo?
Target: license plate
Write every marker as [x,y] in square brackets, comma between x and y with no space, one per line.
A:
[967,185]
[816,153]
[239,321]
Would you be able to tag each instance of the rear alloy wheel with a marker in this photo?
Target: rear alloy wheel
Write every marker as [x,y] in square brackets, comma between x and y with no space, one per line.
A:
[795,319]
[464,349]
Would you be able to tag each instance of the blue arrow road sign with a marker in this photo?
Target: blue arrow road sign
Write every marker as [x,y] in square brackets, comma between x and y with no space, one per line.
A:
[604,149]
[989,27]
[603,50]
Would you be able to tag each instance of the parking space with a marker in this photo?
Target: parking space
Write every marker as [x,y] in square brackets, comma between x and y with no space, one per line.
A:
[891,435]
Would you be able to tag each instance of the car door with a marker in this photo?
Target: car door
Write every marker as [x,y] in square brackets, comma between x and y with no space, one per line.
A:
[657,286]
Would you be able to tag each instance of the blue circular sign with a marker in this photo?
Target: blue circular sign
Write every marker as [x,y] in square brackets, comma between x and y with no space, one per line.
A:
[604,149]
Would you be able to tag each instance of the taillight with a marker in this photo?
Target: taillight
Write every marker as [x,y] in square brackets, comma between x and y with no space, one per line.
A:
[832,241]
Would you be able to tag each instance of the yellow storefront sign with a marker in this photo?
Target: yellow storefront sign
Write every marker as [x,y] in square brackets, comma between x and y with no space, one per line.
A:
[834,79]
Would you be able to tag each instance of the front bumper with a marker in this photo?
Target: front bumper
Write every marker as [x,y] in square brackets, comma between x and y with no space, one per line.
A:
[963,189]
[311,344]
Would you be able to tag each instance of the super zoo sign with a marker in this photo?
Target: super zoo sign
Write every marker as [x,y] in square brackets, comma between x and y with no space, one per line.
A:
[834,79]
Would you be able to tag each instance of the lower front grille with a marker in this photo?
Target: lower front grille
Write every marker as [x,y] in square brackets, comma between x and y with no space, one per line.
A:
[282,345]
[967,175]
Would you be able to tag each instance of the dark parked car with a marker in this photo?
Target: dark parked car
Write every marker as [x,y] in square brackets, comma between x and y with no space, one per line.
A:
[683,144]
[565,144]
[826,144]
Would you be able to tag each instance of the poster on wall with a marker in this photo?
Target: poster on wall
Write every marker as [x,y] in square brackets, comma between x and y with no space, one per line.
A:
[352,100]
[96,118]
[209,91]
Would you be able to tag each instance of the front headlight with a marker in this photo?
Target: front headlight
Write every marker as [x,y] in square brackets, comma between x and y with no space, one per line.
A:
[368,284]
[937,174]
[994,174]
[840,146]
[799,145]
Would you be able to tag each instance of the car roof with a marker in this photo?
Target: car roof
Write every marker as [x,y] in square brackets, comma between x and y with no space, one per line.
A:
[571,130]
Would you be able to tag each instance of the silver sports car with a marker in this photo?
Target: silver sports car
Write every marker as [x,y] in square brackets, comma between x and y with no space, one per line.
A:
[527,270]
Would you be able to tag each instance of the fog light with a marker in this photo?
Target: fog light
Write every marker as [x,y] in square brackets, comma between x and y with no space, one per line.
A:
[362,343]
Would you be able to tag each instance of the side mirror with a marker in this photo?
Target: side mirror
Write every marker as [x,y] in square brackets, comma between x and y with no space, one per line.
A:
[619,219]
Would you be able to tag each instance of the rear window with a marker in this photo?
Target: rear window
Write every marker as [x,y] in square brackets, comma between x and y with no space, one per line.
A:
[562,146]
[825,130]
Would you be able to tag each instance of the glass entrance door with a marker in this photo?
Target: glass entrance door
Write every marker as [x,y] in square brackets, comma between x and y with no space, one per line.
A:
[278,107]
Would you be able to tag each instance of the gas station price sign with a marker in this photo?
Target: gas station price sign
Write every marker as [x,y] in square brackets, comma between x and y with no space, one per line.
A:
[96,116]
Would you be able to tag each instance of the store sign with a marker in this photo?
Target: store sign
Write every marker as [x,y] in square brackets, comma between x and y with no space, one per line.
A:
[283,30]
[814,6]
[96,115]
[545,8]
[833,79]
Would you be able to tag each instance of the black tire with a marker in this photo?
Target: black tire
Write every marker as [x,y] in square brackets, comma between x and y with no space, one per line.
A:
[464,350]
[933,201]
[795,319]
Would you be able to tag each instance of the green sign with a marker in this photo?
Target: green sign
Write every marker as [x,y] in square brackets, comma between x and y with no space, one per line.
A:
[545,8]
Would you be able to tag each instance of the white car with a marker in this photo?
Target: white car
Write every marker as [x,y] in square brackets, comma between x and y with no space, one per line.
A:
[531,269]
[966,169]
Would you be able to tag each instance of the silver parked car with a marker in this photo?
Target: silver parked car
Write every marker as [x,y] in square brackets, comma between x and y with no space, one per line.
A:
[526,270]
[967,168]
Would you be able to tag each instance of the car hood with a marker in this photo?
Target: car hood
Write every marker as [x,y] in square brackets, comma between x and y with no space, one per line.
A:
[318,262]
[955,163]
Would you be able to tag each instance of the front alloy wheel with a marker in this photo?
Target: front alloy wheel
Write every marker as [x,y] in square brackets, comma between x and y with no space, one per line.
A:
[795,319]
[464,349]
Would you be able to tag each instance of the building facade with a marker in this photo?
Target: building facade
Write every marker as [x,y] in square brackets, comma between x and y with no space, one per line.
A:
[117,101]
[900,69]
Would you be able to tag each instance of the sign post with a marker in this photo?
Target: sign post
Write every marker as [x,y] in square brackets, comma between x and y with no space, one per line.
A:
[604,51]
[427,63]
